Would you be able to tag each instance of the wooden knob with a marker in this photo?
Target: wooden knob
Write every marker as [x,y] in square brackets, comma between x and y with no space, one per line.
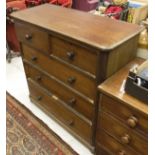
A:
[34,58]
[70,122]
[39,98]
[71,80]
[72,102]
[28,36]
[38,78]
[70,55]
[125,139]
[132,121]
[122,152]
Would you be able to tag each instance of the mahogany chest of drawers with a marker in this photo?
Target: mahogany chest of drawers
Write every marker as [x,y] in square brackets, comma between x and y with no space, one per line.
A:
[123,120]
[66,54]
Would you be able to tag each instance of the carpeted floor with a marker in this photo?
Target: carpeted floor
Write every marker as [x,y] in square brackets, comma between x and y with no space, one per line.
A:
[27,135]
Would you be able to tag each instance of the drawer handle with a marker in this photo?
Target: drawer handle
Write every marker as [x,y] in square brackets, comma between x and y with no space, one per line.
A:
[71,80]
[72,102]
[122,152]
[125,139]
[70,122]
[70,55]
[34,58]
[132,121]
[39,98]
[38,78]
[28,36]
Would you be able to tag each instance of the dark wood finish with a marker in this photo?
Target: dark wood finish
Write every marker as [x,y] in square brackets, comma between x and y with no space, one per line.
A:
[122,133]
[77,51]
[74,54]
[65,94]
[64,73]
[121,55]
[124,113]
[111,146]
[116,50]
[121,116]
[101,151]
[101,32]
[117,92]
[127,106]
[61,113]
[32,36]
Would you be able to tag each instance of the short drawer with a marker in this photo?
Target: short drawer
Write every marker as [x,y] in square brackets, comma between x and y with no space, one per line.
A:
[61,113]
[122,133]
[33,36]
[111,146]
[66,74]
[128,115]
[69,97]
[81,57]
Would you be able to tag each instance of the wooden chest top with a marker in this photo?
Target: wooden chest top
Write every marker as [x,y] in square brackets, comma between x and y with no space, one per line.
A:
[100,32]
[114,87]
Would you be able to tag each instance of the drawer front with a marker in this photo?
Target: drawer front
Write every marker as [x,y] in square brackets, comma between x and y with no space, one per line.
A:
[69,97]
[102,151]
[33,36]
[66,74]
[122,133]
[129,116]
[111,146]
[84,58]
[60,112]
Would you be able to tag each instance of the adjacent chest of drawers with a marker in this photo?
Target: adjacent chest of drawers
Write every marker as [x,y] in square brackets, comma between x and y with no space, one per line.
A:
[123,120]
[66,54]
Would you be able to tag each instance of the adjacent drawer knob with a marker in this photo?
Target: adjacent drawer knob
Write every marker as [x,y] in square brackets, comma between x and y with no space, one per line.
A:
[38,78]
[28,36]
[72,102]
[132,121]
[71,80]
[122,152]
[125,139]
[70,55]
[39,98]
[34,58]
[70,122]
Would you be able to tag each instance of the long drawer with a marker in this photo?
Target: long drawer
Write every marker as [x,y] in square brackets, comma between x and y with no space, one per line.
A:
[122,133]
[33,36]
[111,146]
[69,97]
[128,115]
[71,77]
[60,112]
[79,56]
[102,151]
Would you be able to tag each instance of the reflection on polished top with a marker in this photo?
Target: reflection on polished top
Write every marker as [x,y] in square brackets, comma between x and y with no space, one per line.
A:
[103,33]
[114,86]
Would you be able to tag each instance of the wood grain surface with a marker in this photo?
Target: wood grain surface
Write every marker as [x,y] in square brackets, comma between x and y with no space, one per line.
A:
[101,32]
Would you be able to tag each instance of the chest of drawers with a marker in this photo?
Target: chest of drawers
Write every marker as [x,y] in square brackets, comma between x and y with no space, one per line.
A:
[123,120]
[66,54]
